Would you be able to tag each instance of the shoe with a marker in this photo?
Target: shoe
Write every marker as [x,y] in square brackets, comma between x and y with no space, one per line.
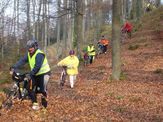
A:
[35,106]
[44,102]
[71,87]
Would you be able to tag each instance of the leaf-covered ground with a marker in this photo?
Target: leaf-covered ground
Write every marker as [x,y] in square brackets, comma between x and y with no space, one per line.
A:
[137,97]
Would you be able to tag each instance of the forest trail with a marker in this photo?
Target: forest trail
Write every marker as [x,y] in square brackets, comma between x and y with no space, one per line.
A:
[137,97]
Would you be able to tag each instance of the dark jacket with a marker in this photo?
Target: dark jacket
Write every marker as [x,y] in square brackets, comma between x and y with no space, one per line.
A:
[24,60]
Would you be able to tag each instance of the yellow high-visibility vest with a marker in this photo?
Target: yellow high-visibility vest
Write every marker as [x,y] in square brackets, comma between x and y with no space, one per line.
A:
[90,50]
[32,60]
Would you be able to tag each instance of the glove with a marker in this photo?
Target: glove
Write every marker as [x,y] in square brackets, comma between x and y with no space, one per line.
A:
[28,76]
[70,66]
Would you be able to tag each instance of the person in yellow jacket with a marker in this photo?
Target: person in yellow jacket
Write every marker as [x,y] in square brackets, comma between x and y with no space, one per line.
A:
[72,63]
[40,72]
[91,52]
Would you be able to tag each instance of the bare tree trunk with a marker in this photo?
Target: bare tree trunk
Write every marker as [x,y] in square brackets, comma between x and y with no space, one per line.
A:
[45,25]
[2,35]
[98,20]
[42,29]
[70,27]
[79,21]
[38,21]
[14,20]
[34,24]
[65,31]
[28,20]
[18,32]
[48,24]
[158,3]
[116,61]
[139,8]
[58,29]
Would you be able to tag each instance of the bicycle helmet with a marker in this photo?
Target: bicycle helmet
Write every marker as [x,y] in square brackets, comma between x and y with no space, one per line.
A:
[32,43]
[72,52]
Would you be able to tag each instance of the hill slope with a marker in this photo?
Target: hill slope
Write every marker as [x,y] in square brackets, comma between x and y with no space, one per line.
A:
[138,97]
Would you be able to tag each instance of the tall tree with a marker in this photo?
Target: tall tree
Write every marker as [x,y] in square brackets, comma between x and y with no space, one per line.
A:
[137,9]
[158,2]
[78,25]
[45,25]
[17,39]
[38,37]
[2,33]
[58,28]
[65,17]
[28,20]
[34,24]
[125,9]
[116,61]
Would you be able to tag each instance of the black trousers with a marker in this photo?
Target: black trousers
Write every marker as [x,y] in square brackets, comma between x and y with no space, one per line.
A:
[91,57]
[37,85]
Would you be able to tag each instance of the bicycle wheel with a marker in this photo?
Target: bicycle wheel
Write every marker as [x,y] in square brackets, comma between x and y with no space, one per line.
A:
[63,79]
[123,37]
[8,102]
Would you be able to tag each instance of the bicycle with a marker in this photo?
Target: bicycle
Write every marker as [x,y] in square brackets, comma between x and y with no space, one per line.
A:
[63,76]
[100,49]
[18,90]
[125,35]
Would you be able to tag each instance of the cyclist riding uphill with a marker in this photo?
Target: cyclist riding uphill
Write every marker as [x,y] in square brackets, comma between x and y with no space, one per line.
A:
[91,52]
[104,42]
[39,74]
[72,63]
[127,27]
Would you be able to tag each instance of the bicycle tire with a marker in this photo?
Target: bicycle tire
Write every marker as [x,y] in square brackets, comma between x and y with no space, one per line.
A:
[63,77]
[8,102]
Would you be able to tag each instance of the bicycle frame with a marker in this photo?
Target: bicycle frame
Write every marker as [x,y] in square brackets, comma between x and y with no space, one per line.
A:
[100,49]
[124,36]
[63,76]
[15,91]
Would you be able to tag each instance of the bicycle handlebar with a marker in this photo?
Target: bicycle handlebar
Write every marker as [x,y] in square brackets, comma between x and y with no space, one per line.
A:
[18,77]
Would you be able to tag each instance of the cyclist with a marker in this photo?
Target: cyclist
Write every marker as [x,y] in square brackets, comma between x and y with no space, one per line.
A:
[127,28]
[72,63]
[91,52]
[39,74]
[104,44]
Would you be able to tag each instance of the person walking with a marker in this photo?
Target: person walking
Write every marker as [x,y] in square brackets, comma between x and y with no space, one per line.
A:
[91,52]
[39,74]
[72,63]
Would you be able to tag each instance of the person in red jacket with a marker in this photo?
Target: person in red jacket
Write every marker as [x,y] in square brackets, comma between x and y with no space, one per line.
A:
[127,27]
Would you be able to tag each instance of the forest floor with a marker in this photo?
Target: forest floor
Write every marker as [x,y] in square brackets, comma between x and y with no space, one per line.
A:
[138,97]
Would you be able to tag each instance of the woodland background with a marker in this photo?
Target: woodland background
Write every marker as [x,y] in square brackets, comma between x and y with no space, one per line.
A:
[60,25]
